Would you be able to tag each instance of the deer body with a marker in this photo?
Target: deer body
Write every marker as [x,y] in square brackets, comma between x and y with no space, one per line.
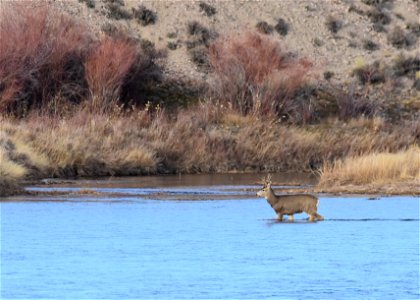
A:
[291,204]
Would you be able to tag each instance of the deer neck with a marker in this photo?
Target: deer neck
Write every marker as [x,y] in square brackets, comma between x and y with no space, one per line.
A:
[271,197]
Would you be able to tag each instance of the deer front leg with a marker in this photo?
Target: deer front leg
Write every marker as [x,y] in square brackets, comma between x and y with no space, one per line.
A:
[280,217]
[290,218]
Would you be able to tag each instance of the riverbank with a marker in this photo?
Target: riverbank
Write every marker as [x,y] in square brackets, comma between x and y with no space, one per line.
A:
[207,140]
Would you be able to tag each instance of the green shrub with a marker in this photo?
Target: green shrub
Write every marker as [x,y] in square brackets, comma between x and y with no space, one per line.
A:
[328,75]
[370,45]
[318,42]
[414,27]
[406,65]
[355,9]
[172,35]
[118,12]
[144,16]
[400,39]
[379,3]
[89,3]
[207,9]
[201,34]
[379,18]
[333,24]
[173,45]
[199,56]
[282,27]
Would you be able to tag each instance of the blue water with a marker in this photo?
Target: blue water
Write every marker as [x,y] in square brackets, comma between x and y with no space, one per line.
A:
[153,249]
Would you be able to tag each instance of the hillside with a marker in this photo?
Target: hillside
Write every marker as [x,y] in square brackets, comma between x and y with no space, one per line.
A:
[335,35]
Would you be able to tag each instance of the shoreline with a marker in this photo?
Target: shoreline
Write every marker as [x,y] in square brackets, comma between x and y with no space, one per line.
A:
[407,188]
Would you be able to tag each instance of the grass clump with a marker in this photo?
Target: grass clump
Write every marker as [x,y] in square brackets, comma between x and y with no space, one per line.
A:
[207,9]
[264,28]
[144,16]
[377,167]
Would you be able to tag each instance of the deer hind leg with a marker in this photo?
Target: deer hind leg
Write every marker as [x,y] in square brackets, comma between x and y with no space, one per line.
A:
[319,217]
[290,218]
[280,217]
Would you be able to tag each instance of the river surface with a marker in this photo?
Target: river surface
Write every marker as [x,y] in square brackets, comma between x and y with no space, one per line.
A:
[203,237]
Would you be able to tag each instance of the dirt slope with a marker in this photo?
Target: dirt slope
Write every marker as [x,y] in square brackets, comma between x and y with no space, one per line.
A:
[308,33]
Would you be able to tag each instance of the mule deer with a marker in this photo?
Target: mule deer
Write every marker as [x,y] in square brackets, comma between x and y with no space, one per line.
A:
[290,204]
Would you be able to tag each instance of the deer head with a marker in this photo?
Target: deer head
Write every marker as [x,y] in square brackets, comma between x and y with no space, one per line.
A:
[265,191]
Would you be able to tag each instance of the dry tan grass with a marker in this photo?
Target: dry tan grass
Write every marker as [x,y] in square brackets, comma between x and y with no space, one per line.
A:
[378,168]
[197,140]
[9,168]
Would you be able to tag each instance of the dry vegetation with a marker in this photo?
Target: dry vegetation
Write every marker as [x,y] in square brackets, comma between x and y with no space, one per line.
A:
[377,171]
[204,139]
[78,103]
[254,75]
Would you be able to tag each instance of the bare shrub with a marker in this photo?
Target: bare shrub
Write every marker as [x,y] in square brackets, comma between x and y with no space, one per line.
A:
[253,74]
[41,56]
[370,74]
[353,104]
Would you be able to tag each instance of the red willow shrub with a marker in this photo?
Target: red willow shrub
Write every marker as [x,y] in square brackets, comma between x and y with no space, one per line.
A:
[253,74]
[41,54]
[49,59]
[107,67]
